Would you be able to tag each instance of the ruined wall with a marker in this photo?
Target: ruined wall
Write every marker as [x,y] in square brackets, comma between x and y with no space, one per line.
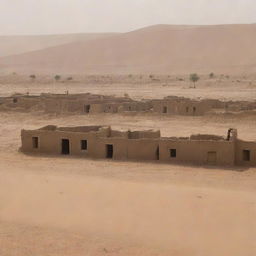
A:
[175,107]
[53,105]
[99,149]
[111,108]
[143,146]
[51,142]
[198,152]
[135,106]
[72,106]
[144,134]
[187,151]
[119,134]
[142,149]
[241,156]
[22,102]
[96,108]
[90,103]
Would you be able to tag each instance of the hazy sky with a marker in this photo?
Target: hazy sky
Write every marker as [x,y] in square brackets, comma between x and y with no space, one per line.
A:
[74,16]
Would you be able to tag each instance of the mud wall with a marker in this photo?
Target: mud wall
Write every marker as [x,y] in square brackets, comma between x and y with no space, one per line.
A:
[190,108]
[242,156]
[198,152]
[184,151]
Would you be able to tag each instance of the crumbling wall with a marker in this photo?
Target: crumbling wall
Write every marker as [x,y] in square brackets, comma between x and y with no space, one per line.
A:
[198,152]
[181,107]
[135,107]
[53,106]
[206,137]
[241,155]
[21,102]
[144,134]
[142,145]
[142,149]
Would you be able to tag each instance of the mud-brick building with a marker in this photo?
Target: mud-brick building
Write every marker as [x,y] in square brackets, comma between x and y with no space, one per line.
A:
[20,102]
[103,142]
[181,106]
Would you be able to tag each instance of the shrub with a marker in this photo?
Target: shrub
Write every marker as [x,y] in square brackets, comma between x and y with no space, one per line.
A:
[194,78]
[57,77]
[211,75]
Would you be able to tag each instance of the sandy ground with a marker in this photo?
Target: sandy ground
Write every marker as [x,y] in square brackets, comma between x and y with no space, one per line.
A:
[223,87]
[73,206]
[62,206]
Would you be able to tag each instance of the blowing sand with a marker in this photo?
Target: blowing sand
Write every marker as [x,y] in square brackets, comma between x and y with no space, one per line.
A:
[63,206]
[73,206]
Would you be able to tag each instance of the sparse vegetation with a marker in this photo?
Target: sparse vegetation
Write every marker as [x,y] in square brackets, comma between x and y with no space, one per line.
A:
[70,78]
[194,78]
[33,77]
[57,77]
[211,75]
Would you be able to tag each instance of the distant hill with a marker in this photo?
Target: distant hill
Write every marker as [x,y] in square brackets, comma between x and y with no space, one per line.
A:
[12,45]
[160,49]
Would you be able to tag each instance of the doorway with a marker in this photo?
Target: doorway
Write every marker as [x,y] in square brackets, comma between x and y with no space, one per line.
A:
[212,157]
[87,108]
[246,155]
[109,151]
[65,147]
[157,153]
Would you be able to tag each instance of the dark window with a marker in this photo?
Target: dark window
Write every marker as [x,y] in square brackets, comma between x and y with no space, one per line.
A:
[83,144]
[65,147]
[157,153]
[187,109]
[35,142]
[109,151]
[87,108]
[173,153]
[194,110]
[15,100]
[164,109]
[246,155]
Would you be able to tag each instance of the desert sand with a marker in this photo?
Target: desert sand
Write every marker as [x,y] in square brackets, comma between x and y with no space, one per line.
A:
[14,45]
[61,206]
[159,49]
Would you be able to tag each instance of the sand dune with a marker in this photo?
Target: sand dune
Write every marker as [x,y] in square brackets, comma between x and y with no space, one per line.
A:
[12,45]
[161,49]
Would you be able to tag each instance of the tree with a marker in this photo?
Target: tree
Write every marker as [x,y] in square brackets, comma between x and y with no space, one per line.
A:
[33,77]
[211,75]
[57,77]
[194,78]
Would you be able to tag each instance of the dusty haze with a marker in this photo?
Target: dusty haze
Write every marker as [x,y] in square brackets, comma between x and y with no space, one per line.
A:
[164,49]
[63,206]
[80,16]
